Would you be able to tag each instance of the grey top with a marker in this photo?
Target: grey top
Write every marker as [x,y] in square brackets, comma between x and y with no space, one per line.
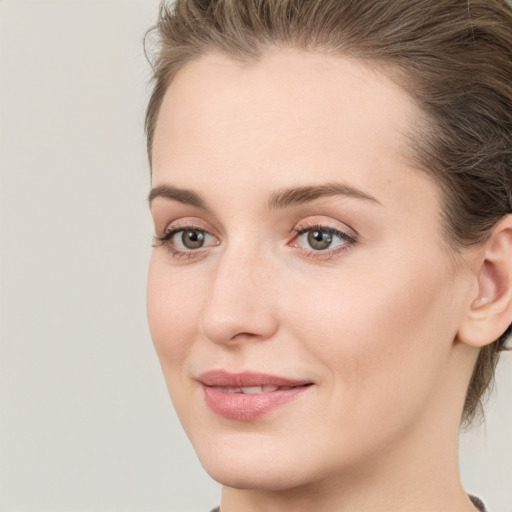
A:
[476,501]
[479,504]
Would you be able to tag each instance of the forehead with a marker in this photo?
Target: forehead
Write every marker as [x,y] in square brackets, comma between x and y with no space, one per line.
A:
[290,116]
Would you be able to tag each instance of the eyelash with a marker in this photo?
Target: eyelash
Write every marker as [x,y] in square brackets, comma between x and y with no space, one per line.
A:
[300,230]
[326,254]
[166,238]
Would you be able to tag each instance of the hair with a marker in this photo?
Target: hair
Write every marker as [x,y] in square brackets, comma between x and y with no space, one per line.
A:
[453,57]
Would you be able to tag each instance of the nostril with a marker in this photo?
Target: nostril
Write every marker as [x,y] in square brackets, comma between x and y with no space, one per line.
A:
[232,330]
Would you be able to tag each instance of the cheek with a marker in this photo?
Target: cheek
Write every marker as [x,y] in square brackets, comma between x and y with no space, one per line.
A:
[172,307]
[383,337]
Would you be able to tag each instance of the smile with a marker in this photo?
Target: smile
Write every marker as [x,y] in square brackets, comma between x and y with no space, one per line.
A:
[248,396]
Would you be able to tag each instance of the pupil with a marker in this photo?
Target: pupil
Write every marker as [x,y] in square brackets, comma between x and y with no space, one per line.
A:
[319,240]
[192,239]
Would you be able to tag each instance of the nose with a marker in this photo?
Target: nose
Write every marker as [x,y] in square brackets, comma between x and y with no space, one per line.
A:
[239,306]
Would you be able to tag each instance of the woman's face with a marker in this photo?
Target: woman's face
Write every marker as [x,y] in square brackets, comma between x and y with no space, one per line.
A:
[303,305]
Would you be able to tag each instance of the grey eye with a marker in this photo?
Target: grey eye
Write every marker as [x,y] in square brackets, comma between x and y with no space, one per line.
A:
[319,240]
[193,238]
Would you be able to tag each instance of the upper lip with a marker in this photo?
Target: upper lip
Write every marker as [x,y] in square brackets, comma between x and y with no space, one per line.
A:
[222,378]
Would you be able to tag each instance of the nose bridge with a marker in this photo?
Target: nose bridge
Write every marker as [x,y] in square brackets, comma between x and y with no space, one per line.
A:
[239,303]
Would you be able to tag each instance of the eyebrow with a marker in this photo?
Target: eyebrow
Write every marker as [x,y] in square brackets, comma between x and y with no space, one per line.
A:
[178,194]
[279,199]
[300,195]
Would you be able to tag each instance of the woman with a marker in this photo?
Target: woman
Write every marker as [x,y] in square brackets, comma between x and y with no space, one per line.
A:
[331,282]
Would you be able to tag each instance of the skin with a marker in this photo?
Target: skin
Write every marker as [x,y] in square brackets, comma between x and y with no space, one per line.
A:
[372,321]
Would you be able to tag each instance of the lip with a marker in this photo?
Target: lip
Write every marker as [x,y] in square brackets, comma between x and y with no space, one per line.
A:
[234,404]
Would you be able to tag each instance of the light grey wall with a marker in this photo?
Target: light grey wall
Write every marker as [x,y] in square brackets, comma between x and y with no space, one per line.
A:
[85,421]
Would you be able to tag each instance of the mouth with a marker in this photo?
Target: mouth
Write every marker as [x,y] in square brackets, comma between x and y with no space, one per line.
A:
[248,396]
[252,390]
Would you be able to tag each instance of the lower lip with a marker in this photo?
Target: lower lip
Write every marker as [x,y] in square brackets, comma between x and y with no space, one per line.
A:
[247,407]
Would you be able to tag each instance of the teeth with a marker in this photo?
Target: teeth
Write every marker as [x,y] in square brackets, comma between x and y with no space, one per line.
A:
[252,390]
[231,390]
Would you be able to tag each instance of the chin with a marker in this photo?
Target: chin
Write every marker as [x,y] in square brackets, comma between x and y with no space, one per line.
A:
[250,468]
[254,478]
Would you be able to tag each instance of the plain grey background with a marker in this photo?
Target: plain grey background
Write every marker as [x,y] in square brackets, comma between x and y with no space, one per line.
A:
[85,420]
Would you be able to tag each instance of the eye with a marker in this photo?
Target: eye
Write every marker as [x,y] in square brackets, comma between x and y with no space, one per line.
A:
[190,238]
[319,238]
[186,240]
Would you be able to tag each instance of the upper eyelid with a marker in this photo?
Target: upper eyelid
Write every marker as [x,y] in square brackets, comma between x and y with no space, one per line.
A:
[180,224]
[169,232]
[331,224]
[320,227]
[343,235]
[304,224]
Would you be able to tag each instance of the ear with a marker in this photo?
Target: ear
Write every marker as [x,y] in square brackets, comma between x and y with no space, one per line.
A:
[490,310]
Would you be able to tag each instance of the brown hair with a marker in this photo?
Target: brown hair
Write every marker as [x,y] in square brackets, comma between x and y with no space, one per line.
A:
[454,57]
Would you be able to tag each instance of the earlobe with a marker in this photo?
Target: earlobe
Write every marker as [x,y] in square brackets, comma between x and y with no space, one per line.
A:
[490,312]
